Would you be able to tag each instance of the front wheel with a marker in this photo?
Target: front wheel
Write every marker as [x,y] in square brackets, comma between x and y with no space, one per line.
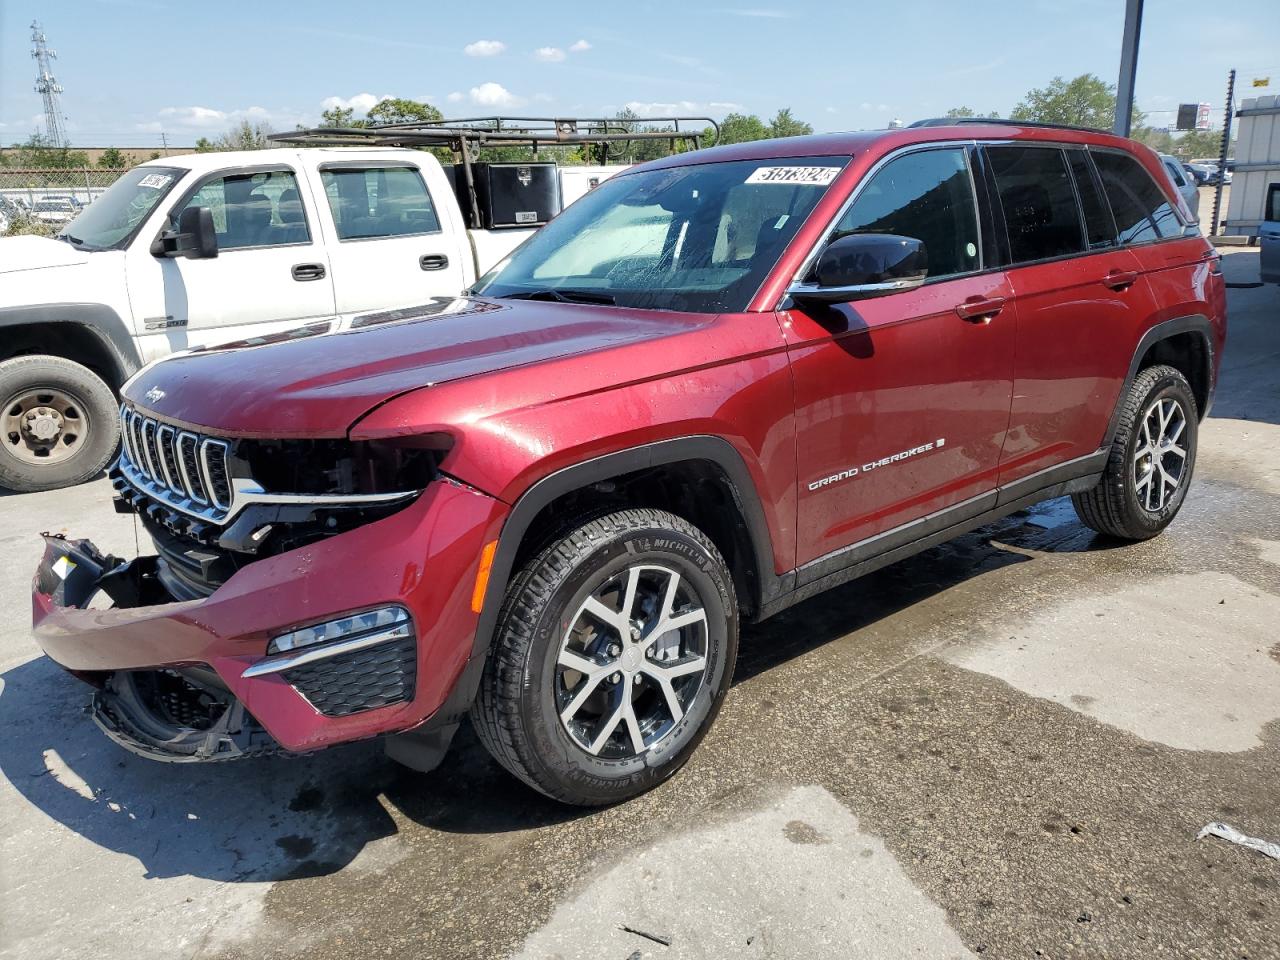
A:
[58,423]
[614,651]
[1152,458]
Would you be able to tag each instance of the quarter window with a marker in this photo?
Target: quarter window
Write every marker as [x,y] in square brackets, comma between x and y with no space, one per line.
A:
[1142,211]
[1039,202]
[259,209]
[926,195]
[379,202]
[1098,225]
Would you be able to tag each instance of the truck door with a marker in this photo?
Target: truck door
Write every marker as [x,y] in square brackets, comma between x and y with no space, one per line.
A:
[393,246]
[271,271]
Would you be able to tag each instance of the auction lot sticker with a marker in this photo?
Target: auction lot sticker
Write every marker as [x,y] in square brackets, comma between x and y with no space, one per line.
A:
[813,176]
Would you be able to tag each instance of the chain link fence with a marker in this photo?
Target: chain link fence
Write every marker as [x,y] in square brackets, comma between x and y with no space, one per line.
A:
[40,201]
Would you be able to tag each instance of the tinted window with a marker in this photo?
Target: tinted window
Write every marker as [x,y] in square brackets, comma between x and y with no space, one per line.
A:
[695,238]
[1272,212]
[1141,209]
[253,209]
[1175,174]
[379,202]
[1039,202]
[928,196]
[1098,225]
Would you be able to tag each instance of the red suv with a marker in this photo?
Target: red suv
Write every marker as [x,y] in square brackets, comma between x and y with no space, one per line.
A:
[717,385]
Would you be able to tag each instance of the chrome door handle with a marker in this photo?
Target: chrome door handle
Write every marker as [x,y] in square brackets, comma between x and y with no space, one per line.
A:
[308,271]
[980,309]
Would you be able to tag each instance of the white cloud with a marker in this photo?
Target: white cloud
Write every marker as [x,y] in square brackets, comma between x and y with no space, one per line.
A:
[549,54]
[494,95]
[484,48]
[580,46]
[456,97]
[198,120]
[361,103]
[658,109]
[830,109]
[726,106]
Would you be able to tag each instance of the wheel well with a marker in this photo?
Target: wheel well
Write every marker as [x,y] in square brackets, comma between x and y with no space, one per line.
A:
[74,341]
[1189,353]
[698,491]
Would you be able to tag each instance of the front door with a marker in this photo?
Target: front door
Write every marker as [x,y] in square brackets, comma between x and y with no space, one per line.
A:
[902,401]
[271,272]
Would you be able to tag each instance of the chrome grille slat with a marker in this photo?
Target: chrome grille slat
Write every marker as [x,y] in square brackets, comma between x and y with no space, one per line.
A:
[165,438]
[181,469]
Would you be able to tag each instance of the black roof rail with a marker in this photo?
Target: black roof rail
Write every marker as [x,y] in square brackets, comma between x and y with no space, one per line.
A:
[960,121]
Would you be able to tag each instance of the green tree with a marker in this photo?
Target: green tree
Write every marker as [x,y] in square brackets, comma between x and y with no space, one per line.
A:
[1157,138]
[341,117]
[205,145]
[37,153]
[956,113]
[1085,101]
[113,159]
[742,128]
[784,124]
[244,136]
[399,110]
[1199,144]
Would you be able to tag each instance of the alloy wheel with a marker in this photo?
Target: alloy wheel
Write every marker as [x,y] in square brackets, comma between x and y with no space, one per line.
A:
[1160,461]
[632,660]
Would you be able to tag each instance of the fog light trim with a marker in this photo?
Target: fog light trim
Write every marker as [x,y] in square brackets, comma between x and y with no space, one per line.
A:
[332,638]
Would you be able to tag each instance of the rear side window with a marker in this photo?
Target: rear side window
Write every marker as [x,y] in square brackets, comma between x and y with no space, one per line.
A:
[1143,213]
[370,202]
[1039,202]
[1175,174]
[1272,212]
[928,196]
[1098,225]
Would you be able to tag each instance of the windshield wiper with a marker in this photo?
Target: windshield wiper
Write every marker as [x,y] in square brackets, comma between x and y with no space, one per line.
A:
[562,295]
[74,241]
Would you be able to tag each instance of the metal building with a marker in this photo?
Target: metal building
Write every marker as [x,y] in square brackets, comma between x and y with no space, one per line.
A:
[1257,164]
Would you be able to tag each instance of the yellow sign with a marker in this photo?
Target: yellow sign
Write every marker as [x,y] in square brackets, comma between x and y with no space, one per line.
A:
[1261,81]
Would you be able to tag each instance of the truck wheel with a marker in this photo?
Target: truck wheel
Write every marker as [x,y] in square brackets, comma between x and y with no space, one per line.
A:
[58,424]
[1152,458]
[614,650]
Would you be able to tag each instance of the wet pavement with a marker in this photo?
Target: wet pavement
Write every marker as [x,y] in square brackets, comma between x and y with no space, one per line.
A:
[1003,747]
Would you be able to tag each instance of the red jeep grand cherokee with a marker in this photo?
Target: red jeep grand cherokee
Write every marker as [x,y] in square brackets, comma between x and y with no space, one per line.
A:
[715,386]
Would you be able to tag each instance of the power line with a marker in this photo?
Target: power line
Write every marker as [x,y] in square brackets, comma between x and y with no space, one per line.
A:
[48,87]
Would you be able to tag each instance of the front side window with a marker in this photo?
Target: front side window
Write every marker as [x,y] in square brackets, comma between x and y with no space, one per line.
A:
[1143,213]
[927,196]
[1039,202]
[112,219]
[259,209]
[698,238]
[372,202]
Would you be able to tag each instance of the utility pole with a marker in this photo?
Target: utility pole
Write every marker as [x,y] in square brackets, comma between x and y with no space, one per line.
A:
[164,141]
[48,87]
[1222,155]
[1128,67]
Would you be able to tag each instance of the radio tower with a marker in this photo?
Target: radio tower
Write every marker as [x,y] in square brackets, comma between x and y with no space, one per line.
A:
[48,88]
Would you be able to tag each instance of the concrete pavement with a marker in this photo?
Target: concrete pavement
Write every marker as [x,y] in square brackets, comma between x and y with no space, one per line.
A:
[1003,747]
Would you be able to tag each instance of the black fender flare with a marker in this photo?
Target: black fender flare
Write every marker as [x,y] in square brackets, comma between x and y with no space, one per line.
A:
[104,324]
[1193,323]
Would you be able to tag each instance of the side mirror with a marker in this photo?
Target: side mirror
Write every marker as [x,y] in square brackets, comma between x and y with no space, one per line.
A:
[863,265]
[194,239]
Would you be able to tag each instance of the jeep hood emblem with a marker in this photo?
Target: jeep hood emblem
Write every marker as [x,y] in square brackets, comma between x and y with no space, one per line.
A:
[154,395]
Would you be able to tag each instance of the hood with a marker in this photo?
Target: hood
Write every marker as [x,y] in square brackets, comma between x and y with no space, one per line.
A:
[33,253]
[309,382]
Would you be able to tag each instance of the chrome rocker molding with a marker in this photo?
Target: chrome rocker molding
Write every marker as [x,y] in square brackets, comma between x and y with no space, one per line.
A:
[282,662]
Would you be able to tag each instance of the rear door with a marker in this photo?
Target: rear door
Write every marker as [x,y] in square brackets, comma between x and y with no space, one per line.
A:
[1269,236]
[392,248]
[1080,300]
[901,402]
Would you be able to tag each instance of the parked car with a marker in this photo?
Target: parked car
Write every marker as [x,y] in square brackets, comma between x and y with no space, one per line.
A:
[717,385]
[1269,236]
[54,210]
[192,250]
[1182,182]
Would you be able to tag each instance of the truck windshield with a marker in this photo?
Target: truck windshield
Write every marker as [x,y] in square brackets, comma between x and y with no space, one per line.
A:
[699,238]
[111,219]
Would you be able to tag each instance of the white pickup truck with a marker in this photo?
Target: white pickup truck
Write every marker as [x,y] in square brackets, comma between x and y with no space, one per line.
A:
[207,248]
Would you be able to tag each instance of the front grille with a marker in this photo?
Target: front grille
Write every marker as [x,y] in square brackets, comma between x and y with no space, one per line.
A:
[184,470]
[361,680]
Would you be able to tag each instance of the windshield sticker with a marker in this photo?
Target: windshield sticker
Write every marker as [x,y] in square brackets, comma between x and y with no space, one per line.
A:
[812,176]
[157,181]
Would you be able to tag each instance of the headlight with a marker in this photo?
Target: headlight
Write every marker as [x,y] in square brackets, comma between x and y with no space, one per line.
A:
[384,623]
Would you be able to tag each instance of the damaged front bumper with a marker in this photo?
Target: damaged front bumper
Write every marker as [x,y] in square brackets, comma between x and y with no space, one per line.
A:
[192,680]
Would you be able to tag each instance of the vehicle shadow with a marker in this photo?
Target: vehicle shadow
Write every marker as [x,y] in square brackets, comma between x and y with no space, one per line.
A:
[282,818]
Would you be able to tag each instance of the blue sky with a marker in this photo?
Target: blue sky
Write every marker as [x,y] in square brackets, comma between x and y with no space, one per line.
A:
[134,68]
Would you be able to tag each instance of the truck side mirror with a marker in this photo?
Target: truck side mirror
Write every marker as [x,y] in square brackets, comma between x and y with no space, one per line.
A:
[862,265]
[194,239]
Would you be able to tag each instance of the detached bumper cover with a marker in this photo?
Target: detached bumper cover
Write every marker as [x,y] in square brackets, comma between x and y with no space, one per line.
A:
[424,557]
